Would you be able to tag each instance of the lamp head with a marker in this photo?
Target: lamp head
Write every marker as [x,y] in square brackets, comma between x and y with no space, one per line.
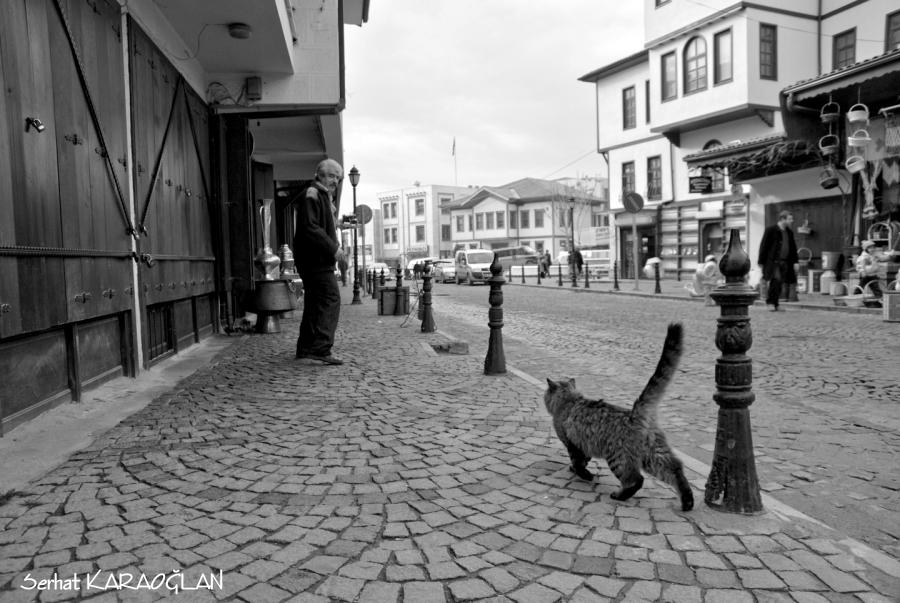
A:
[34,122]
[354,176]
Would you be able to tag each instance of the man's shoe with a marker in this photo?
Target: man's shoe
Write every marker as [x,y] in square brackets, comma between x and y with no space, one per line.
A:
[327,359]
[773,308]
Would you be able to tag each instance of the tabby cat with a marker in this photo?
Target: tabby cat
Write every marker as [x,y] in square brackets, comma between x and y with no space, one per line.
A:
[628,440]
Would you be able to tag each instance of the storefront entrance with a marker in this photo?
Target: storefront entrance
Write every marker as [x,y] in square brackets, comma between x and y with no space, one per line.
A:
[646,249]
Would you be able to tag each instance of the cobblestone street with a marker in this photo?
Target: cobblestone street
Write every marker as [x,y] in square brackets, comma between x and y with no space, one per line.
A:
[407,475]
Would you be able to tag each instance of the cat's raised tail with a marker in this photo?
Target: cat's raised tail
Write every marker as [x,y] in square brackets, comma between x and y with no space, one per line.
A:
[646,404]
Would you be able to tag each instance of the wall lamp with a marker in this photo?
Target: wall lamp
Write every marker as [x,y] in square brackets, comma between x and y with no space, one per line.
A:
[34,122]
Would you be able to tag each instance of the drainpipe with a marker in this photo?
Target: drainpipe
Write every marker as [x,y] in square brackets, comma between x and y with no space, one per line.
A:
[819,40]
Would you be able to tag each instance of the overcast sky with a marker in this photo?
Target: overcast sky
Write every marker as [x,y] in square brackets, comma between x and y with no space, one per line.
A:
[501,76]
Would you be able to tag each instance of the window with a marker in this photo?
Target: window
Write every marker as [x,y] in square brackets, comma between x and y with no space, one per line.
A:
[844,49]
[647,101]
[628,177]
[470,222]
[629,110]
[460,225]
[722,71]
[599,219]
[768,52]
[563,214]
[716,175]
[695,65]
[393,235]
[420,233]
[420,207]
[479,221]
[892,32]
[513,215]
[500,216]
[489,220]
[523,218]
[387,236]
[538,218]
[654,178]
[669,76]
[446,235]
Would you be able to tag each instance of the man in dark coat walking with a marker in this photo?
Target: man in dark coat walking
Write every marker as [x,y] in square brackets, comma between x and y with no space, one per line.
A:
[778,258]
[316,250]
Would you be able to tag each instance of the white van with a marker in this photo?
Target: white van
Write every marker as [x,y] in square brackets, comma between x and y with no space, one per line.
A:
[473,265]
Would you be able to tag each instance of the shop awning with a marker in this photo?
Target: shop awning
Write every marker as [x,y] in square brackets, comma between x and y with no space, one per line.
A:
[874,82]
[745,160]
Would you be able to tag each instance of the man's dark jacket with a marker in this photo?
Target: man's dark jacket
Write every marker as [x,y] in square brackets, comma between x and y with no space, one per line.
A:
[315,240]
[770,249]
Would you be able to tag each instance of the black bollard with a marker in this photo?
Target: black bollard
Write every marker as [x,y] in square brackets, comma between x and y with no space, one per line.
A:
[428,325]
[559,270]
[398,299]
[523,275]
[574,270]
[616,275]
[495,361]
[587,277]
[510,279]
[733,485]
[656,275]
[539,275]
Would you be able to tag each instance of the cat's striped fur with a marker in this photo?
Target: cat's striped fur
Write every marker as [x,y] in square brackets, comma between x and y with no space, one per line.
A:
[629,440]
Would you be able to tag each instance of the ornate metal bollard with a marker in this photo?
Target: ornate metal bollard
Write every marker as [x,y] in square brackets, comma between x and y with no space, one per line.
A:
[616,275]
[656,276]
[428,325]
[732,485]
[559,270]
[495,361]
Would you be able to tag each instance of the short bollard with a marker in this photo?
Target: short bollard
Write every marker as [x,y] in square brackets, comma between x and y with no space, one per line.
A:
[539,275]
[523,275]
[428,325]
[495,361]
[733,485]
[587,278]
[510,279]
[559,270]
[398,306]
[656,275]
[374,284]
[616,275]
[574,268]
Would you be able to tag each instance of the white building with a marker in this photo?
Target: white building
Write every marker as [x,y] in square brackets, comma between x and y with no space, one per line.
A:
[703,96]
[409,223]
[533,212]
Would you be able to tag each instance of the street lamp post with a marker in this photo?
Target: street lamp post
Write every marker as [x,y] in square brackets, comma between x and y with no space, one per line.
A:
[572,247]
[354,180]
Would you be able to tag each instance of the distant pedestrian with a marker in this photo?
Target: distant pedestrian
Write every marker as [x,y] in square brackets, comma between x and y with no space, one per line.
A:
[343,265]
[417,270]
[317,250]
[546,262]
[576,262]
[778,258]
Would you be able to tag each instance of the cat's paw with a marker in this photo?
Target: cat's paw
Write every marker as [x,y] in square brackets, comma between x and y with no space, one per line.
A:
[582,472]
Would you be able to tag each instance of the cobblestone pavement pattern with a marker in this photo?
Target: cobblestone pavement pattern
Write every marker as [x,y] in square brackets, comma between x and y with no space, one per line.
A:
[402,476]
[825,426]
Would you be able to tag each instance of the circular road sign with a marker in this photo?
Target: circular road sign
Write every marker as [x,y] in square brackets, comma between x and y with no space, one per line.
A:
[363,214]
[633,202]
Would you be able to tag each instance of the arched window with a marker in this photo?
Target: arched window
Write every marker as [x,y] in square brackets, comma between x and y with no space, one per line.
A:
[695,65]
[716,175]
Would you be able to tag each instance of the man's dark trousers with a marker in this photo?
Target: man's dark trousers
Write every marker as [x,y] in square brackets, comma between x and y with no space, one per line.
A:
[775,284]
[321,310]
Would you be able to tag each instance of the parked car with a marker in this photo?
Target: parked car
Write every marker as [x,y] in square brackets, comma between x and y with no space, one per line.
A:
[520,255]
[473,265]
[379,266]
[444,271]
